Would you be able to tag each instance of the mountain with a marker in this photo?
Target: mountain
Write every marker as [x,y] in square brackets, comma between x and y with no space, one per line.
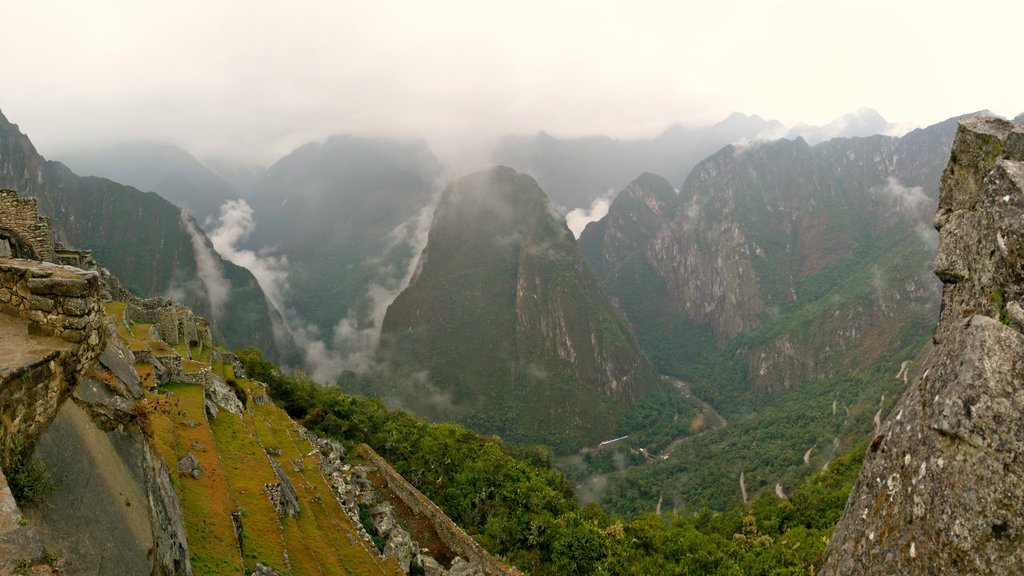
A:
[575,171]
[940,488]
[151,245]
[505,328]
[239,175]
[344,213]
[158,167]
[863,122]
[782,280]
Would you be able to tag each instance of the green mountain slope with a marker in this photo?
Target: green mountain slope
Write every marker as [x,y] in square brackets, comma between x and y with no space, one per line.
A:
[146,241]
[505,328]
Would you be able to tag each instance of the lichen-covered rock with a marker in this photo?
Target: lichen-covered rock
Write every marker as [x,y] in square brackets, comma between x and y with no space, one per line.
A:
[172,556]
[264,570]
[189,465]
[942,483]
[431,567]
[283,495]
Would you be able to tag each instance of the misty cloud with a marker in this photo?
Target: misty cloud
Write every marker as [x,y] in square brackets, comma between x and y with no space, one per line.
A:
[235,223]
[358,341]
[208,268]
[353,343]
[578,219]
[232,227]
[254,81]
[915,204]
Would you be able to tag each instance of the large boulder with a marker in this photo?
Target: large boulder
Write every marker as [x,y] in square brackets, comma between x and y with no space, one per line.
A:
[942,483]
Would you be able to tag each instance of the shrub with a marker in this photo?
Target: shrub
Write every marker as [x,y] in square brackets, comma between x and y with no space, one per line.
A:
[30,479]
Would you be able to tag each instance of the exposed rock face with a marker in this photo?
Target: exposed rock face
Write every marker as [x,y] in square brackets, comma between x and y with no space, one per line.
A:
[283,495]
[504,326]
[940,491]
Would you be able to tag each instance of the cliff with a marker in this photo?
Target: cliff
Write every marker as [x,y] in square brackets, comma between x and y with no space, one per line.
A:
[940,490]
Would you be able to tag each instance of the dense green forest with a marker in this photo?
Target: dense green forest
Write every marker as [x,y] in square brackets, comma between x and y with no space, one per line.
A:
[515,504]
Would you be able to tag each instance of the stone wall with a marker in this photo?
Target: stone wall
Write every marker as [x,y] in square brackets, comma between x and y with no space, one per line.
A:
[20,217]
[453,536]
[159,312]
[56,300]
[53,301]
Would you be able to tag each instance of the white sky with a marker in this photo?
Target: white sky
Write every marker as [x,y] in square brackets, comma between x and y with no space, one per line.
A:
[253,79]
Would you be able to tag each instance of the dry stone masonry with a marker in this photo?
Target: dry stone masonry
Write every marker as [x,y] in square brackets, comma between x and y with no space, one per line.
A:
[942,483]
[56,301]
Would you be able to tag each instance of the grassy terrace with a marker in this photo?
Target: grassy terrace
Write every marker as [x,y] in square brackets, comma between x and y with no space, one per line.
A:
[322,539]
[236,468]
[206,502]
[193,367]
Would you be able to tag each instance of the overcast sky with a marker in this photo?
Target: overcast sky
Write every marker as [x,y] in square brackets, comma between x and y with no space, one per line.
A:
[253,79]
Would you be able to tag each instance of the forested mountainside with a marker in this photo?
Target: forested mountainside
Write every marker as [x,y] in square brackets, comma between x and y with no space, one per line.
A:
[151,245]
[783,280]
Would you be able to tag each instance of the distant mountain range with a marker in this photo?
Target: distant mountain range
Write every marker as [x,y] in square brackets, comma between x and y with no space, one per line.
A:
[575,171]
[158,167]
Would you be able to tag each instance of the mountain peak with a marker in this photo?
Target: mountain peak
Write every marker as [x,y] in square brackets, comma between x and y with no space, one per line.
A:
[524,332]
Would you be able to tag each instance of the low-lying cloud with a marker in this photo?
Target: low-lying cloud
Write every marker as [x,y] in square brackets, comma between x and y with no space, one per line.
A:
[578,219]
[215,286]
[912,202]
[234,225]
[353,343]
[357,339]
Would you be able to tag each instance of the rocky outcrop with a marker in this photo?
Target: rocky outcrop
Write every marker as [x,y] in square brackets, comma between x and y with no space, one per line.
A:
[219,396]
[940,489]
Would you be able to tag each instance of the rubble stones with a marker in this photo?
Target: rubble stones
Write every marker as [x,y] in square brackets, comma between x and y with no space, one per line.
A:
[189,466]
